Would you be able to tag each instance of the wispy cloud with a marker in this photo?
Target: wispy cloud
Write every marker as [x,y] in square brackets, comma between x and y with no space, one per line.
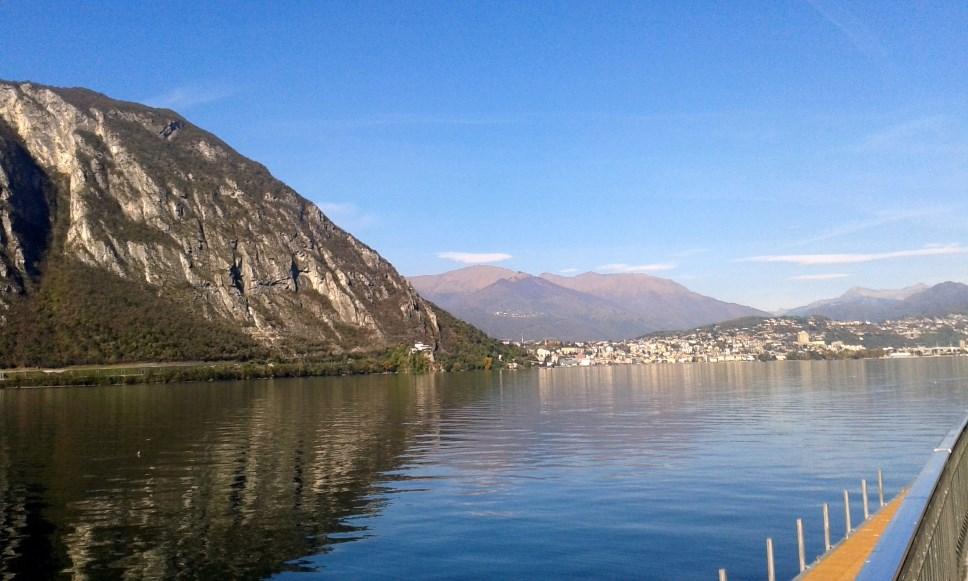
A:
[859,35]
[348,215]
[819,259]
[185,97]
[568,271]
[933,134]
[827,276]
[474,257]
[881,218]
[619,267]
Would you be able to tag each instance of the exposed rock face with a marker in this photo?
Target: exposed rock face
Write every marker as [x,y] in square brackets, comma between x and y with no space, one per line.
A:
[24,217]
[144,195]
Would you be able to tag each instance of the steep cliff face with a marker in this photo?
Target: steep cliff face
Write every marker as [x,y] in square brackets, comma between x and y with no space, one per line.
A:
[117,190]
[24,217]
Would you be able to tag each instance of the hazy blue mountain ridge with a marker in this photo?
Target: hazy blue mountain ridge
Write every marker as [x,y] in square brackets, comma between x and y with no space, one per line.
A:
[880,305]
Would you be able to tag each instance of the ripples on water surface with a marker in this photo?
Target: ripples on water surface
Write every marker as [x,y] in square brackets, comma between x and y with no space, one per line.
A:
[653,472]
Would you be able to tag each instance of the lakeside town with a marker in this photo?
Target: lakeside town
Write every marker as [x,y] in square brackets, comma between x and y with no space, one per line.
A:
[771,339]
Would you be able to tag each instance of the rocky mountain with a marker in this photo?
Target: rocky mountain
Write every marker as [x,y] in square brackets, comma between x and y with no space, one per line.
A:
[128,233]
[861,304]
[590,306]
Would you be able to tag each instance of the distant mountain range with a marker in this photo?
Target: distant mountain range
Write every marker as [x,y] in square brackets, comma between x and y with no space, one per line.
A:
[863,304]
[590,306]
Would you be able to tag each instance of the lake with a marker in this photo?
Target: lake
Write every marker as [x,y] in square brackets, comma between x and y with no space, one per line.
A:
[648,472]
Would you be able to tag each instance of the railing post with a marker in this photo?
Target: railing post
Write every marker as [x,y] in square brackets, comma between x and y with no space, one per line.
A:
[847,526]
[801,549]
[722,575]
[826,527]
[770,569]
[863,493]
[880,485]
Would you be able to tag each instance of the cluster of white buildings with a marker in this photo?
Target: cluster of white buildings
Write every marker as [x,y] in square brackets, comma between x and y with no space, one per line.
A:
[776,338]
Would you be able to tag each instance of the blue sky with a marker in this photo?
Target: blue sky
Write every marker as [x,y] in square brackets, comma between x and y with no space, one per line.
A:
[767,153]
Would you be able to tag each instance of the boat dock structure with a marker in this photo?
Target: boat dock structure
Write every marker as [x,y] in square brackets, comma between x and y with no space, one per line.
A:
[845,562]
[920,535]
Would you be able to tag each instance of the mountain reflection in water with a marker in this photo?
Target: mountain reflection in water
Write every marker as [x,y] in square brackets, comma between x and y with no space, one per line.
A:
[226,480]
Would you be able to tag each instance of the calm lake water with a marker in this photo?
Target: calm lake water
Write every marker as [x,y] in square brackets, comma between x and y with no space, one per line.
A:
[650,472]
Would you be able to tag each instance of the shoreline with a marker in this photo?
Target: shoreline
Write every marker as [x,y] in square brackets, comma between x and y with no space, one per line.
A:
[183,372]
[197,372]
[829,359]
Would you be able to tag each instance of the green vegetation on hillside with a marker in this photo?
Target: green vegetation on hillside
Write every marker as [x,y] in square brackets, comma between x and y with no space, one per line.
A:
[807,355]
[218,371]
[79,314]
[59,308]
[464,347]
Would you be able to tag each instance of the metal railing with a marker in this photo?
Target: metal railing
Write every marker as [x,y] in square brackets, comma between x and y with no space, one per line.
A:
[926,540]
[848,530]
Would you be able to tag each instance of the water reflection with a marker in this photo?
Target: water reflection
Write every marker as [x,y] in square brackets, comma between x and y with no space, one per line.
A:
[228,480]
[617,471]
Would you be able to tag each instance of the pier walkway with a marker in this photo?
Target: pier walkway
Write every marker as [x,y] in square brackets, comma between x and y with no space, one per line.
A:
[921,535]
[845,561]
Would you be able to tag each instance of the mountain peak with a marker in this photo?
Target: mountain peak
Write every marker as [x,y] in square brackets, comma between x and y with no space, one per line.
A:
[617,285]
[893,294]
[159,223]
[587,306]
[602,275]
[482,268]
[463,280]
[861,303]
